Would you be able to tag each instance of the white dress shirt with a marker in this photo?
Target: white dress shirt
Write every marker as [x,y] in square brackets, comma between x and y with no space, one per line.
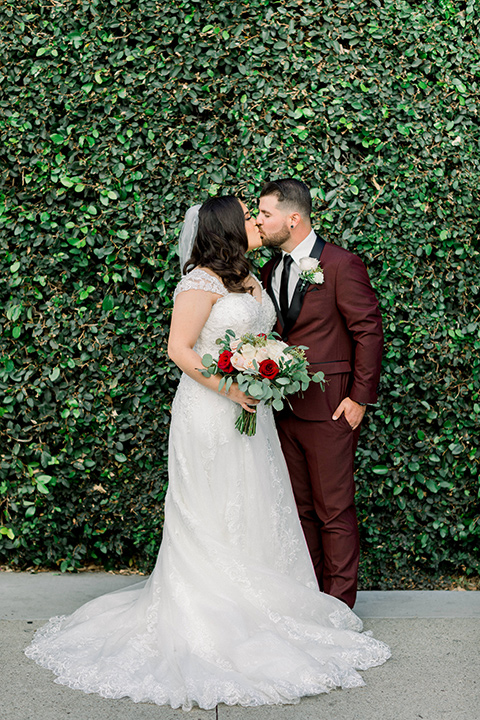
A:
[302,250]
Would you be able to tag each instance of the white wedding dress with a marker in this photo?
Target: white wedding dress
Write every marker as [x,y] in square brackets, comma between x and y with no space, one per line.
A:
[232,612]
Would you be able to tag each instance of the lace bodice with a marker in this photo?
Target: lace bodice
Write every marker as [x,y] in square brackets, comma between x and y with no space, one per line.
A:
[239,312]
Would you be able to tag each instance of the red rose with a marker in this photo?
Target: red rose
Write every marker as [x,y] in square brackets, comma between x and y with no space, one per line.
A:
[262,335]
[268,369]
[224,363]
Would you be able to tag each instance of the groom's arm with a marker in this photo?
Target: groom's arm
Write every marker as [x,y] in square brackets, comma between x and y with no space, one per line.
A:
[358,304]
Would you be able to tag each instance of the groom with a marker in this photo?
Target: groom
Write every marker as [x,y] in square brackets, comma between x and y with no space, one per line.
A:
[335,313]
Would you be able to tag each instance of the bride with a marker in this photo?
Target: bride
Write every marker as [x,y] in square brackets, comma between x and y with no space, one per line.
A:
[232,612]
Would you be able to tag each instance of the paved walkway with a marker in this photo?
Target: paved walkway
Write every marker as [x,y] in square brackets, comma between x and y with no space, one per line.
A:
[433,674]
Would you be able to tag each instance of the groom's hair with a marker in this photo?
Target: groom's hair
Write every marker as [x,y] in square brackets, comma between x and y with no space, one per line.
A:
[292,194]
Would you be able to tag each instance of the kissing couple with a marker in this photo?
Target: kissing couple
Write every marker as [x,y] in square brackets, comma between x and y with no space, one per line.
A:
[250,600]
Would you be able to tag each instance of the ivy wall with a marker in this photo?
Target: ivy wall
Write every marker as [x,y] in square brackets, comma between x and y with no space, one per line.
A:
[114,117]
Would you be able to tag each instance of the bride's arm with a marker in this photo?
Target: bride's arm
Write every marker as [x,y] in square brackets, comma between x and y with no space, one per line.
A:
[190,313]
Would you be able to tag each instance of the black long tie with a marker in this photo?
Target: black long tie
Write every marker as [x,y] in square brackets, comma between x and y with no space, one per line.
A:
[287,262]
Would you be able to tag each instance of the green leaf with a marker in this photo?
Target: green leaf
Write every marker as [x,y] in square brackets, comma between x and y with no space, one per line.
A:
[255,389]
[135,272]
[57,139]
[14,312]
[43,478]
[380,470]
[54,374]
[108,303]
[120,457]
[8,532]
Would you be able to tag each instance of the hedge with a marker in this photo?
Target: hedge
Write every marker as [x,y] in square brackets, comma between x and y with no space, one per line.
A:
[115,116]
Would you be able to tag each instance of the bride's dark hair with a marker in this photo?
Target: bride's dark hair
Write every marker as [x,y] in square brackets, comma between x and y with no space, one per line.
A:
[221,242]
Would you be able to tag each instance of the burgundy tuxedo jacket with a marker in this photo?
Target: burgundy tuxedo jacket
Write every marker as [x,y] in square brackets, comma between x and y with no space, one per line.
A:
[340,322]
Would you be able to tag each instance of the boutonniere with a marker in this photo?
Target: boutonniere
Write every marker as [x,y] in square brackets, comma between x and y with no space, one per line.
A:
[310,271]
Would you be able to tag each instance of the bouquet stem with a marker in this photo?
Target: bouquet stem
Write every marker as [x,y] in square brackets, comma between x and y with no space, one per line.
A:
[247,423]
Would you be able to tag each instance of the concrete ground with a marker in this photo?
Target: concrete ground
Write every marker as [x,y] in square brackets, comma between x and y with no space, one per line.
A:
[433,674]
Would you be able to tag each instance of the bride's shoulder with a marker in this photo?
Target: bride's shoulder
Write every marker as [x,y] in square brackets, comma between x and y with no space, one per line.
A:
[200,279]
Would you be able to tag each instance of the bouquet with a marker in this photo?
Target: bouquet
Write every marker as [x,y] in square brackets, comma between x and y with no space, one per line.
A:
[264,368]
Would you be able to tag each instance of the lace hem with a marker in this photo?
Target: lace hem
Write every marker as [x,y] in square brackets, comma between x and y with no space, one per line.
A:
[208,691]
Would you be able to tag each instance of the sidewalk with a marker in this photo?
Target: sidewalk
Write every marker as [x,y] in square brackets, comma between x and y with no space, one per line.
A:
[433,674]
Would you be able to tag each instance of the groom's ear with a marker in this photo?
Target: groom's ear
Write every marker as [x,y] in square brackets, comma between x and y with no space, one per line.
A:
[294,219]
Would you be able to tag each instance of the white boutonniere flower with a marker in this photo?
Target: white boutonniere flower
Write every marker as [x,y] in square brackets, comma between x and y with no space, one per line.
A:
[310,271]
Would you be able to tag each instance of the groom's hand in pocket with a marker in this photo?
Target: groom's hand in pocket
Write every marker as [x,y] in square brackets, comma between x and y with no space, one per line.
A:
[353,412]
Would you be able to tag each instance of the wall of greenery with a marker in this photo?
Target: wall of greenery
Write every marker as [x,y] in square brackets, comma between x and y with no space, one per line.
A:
[114,117]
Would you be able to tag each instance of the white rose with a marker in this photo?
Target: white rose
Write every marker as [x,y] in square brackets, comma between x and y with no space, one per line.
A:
[275,349]
[262,354]
[318,277]
[307,263]
[237,361]
[248,351]
[240,363]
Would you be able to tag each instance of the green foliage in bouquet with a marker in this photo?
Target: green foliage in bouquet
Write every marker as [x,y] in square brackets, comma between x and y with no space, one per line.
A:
[115,117]
[264,367]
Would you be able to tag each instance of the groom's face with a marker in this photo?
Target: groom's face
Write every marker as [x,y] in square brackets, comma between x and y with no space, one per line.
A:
[272,222]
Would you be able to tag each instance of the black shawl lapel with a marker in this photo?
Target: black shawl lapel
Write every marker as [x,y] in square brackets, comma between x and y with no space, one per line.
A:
[300,290]
[270,290]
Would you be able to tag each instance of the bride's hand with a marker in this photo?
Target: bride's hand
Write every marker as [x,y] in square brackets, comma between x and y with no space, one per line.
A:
[244,400]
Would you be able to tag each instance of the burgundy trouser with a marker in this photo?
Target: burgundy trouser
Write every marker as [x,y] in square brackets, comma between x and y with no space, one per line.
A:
[320,457]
